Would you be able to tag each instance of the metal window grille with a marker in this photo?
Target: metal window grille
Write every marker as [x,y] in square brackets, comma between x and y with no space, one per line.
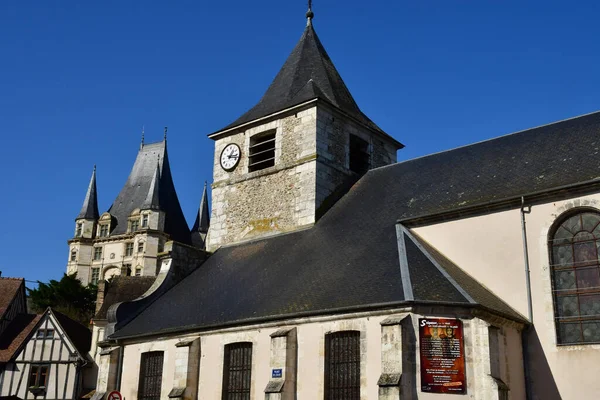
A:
[237,368]
[359,155]
[151,370]
[262,151]
[575,248]
[342,366]
[97,253]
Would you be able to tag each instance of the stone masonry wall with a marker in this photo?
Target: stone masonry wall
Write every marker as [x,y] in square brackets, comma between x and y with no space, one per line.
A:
[248,205]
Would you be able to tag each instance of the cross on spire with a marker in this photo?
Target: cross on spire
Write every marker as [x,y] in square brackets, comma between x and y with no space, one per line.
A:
[165,135]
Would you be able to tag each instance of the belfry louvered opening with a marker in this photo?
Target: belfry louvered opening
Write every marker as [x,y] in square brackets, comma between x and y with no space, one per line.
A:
[262,151]
[342,366]
[237,369]
[359,155]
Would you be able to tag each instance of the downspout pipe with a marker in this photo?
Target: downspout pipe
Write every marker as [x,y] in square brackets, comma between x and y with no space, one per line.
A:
[120,366]
[526,331]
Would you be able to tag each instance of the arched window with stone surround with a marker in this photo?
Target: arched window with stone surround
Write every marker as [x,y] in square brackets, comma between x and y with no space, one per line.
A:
[575,266]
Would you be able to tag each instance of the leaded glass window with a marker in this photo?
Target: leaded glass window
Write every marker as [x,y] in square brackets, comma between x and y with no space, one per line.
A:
[575,247]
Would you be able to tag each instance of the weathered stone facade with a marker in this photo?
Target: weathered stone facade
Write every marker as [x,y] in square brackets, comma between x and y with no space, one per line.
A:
[311,162]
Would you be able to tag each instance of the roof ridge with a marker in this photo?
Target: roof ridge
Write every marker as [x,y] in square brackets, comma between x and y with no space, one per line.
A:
[11,278]
[486,140]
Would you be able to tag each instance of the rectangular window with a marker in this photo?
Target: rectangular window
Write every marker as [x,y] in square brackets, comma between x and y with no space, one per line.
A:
[138,271]
[38,375]
[237,368]
[97,253]
[140,247]
[103,230]
[95,276]
[45,334]
[135,225]
[145,221]
[128,249]
[342,366]
[151,369]
[262,151]
[79,230]
[359,155]
[73,255]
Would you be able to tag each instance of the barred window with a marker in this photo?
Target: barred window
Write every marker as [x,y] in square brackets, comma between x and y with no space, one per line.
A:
[97,253]
[128,249]
[575,244]
[151,369]
[342,366]
[359,155]
[95,276]
[262,151]
[237,368]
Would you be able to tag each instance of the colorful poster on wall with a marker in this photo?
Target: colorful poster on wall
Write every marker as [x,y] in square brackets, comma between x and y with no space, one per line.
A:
[442,356]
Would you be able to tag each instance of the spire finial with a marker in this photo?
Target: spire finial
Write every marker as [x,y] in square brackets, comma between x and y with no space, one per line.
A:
[142,145]
[309,14]
[94,168]
[165,135]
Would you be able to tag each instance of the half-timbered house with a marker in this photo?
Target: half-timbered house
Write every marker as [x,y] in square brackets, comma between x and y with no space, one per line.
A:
[44,356]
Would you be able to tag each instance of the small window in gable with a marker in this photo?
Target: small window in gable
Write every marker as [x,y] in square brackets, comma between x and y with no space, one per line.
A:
[45,334]
[575,247]
[262,151]
[359,155]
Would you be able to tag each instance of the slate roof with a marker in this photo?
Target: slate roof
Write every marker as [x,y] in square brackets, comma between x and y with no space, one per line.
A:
[140,183]
[80,335]
[202,222]
[15,334]
[307,74]
[350,258]
[89,209]
[123,288]
[9,288]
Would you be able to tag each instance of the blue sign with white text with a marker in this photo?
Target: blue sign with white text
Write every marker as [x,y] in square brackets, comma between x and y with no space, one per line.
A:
[276,373]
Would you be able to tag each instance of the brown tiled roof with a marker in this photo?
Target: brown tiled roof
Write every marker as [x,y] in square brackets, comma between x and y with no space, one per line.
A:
[15,334]
[9,287]
[123,288]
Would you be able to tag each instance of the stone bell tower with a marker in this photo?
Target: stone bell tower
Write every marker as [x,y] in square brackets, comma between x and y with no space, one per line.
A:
[279,166]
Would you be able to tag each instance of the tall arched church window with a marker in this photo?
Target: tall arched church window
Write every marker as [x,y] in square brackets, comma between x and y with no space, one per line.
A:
[575,247]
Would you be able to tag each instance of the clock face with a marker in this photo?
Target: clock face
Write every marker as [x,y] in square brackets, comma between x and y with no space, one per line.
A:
[230,157]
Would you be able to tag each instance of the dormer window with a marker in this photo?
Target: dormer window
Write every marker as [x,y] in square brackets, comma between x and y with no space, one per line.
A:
[359,155]
[145,221]
[104,230]
[261,151]
[79,229]
[134,225]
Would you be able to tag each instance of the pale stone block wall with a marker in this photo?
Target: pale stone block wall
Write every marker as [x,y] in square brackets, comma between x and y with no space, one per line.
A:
[379,348]
[498,263]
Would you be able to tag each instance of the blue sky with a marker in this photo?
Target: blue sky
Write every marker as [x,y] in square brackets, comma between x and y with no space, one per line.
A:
[79,79]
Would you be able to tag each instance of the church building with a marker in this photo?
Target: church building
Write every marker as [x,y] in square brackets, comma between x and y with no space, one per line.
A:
[334,272]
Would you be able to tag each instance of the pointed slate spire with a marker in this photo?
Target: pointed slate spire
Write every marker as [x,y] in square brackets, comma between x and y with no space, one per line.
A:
[89,210]
[152,198]
[202,218]
[308,74]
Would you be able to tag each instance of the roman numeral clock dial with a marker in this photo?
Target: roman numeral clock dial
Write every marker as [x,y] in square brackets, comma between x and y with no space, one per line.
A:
[230,157]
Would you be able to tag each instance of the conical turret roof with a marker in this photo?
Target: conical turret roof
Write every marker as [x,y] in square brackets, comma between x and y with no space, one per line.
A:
[307,74]
[203,217]
[89,210]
